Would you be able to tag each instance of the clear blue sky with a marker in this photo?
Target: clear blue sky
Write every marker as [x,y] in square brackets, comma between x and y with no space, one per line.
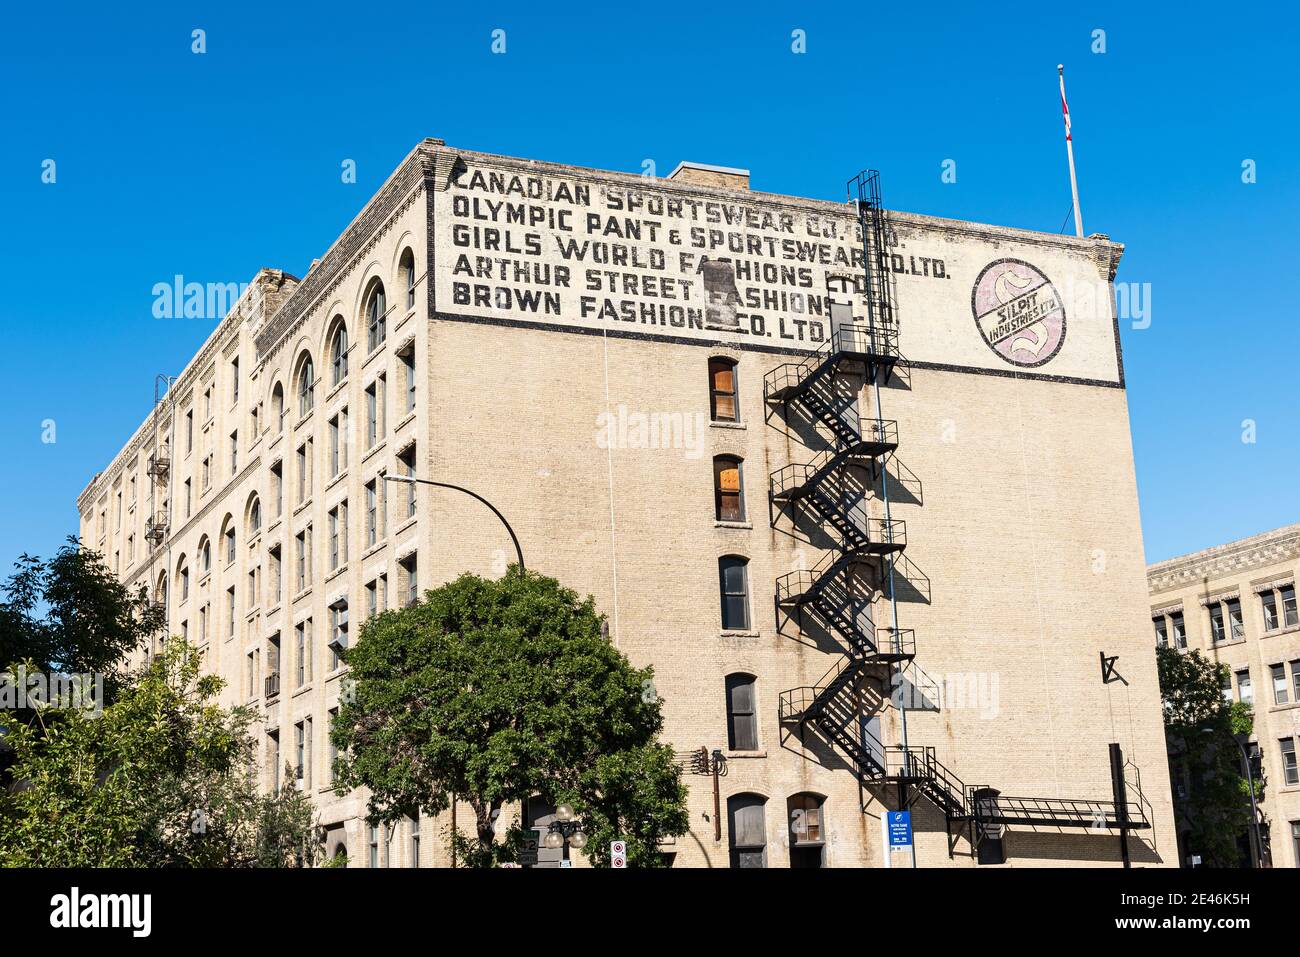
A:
[215,165]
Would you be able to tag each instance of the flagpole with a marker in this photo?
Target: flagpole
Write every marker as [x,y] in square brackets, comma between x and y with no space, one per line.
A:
[1069,151]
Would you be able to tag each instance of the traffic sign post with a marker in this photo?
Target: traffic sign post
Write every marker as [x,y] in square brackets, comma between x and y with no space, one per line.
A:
[896,834]
[618,855]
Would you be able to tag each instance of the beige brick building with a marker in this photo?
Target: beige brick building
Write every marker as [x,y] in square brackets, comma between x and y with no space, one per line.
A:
[699,404]
[1236,604]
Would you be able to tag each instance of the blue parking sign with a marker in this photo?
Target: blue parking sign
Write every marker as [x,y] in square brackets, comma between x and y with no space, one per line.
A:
[900,828]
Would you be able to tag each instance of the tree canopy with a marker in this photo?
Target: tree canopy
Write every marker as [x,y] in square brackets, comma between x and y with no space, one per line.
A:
[497,691]
[1200,725]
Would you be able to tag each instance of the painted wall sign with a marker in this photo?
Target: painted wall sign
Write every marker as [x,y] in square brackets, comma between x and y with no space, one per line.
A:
[650,258]
[1019,312]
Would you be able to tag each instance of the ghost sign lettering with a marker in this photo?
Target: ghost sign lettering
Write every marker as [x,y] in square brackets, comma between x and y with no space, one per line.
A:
[1018,312]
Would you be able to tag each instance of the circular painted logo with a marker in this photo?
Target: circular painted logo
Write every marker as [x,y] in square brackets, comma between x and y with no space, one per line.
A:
[1019,312]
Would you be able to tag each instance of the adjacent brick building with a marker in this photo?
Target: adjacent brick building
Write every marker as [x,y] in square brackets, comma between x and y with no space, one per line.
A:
[824,492]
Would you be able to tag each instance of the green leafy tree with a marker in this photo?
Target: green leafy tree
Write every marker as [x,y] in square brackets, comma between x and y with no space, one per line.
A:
[70,614]
[162,778]
[1200,726]
[496,691]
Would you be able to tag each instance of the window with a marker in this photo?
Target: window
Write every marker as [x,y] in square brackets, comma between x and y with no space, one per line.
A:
[1162,634]
[1225,686]
[189,497]
[372,598]
[301,562]
[408,371]
[1269,600]
[230,545]
[1289,772]
[302,652]
[207,472]
[255,517]
[1278,674]
[230,612]
[185,582]
[1236,628]
[334,446]
[301,753]
[1180,635]
[1295,689]
[407,459]
[275,568]
[408,275]
[1244,692]
[748,827]
[374,412]
[203,624]
[334,751]
[338,518]
[338,632]
[273,755]
[372,512]
[376,321]
[734,585]
[807,830]
[277,406]
[1289,616]
[723,406]
[415,840]
[189,431]
[339,355]
[304,473]
[410,575]
[277,487]
[306,387]
[373,844]
[250,675]
[234,381]
[1216,623]
[742,716]
[728,498]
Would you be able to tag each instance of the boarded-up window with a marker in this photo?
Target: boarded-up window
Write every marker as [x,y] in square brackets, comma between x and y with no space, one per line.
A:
[722,391]
[748,830]
[734,582]
[742,717]
[807,832]
[729,502]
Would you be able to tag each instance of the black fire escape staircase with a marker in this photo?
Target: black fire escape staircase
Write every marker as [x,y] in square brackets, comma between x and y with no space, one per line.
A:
[838,598]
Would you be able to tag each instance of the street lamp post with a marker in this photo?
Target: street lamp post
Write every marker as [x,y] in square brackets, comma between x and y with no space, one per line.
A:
[565,832]
[412,480]
[1257,850]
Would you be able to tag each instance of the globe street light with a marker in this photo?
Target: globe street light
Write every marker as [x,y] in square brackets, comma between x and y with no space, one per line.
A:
[565,832]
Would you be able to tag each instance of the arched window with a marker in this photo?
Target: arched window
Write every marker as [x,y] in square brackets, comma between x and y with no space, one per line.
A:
[183,578]
[376,321]
[205,556]
[277,406]
[807,830]
[160,592]
[728,496]
[742,715]
[747,822]
[407,269]
[339,353]
[306,386]
[254,517]
[733,582]
[723,403]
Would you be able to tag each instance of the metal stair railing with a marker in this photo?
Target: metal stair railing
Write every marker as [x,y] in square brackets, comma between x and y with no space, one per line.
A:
[873,438]
[1060,812]
[877,345]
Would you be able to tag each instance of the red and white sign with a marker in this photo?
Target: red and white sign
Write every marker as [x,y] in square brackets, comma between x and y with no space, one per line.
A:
[618,854]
